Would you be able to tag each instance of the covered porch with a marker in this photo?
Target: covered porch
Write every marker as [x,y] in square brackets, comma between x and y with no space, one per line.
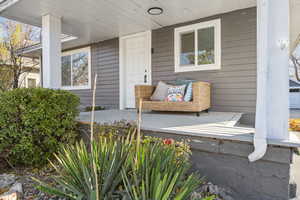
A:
[250,77]
[257,50]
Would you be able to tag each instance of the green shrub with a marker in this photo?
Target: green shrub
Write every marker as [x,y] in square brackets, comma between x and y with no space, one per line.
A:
[123,128]
[159,173]
[154,171]
[77,178]
[34,123]
[90,108]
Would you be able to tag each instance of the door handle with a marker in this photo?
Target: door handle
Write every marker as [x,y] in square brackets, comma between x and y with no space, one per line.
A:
[145,77]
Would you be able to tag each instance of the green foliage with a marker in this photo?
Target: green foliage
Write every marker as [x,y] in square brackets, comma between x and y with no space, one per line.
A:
[212,197]
[159,172]
[89,108]
[34,123]
[77,179]
[122,171]
[125,129]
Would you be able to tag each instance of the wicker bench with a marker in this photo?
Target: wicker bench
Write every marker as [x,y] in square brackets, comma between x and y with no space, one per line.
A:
[200,102]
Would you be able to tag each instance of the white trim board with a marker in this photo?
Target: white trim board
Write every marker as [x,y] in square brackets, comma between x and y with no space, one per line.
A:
[89,85]
[122,71]
[193,28]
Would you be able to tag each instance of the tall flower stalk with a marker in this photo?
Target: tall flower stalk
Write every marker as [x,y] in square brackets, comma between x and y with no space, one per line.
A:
[92,137]
[139,123]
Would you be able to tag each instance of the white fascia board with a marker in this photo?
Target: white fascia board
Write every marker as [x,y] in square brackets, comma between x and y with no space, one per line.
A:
[6,4]
[38,46]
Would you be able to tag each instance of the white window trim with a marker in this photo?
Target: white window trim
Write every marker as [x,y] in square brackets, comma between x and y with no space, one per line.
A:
[193,28]
[32,76]
[89,86]
[27,81]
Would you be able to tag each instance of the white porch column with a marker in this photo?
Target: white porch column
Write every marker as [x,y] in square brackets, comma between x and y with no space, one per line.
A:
[278,72]
[272,106]
[51,45]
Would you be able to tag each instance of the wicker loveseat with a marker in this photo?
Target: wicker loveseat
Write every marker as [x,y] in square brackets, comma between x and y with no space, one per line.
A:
[200,102]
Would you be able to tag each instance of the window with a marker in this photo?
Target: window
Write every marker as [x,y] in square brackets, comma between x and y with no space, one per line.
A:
[31,83]
[198,46]
[76,69]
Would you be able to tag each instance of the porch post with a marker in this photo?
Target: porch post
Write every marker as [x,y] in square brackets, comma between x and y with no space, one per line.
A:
[278,69]
[272,105]
[51,47]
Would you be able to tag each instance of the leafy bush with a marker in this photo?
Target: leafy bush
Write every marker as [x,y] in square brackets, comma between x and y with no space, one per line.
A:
[294,124]
[34,123]
[90,108]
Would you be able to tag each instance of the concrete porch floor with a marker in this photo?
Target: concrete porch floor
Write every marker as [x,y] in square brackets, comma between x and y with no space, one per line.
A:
[164,119]
[212,124]
[219,125]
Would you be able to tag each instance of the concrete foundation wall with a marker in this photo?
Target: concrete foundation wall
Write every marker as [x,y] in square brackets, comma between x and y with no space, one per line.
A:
[225,163]
[261,180]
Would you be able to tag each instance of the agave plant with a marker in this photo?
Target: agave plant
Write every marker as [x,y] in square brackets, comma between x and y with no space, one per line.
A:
[159,173]
[77,178]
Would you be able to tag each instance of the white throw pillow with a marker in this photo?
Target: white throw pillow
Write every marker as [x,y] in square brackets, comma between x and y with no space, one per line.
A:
[160,92]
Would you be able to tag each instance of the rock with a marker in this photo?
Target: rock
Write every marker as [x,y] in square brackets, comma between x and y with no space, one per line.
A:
[14,193]
[6,180]
[211,189]
[196,195]
[9,188]
[11,196]
[17,187]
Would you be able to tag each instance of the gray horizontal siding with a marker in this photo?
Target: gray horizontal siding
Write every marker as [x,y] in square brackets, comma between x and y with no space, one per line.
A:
[105,62]
[234,86]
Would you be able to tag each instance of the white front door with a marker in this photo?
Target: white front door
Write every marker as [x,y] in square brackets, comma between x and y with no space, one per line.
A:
[136,50]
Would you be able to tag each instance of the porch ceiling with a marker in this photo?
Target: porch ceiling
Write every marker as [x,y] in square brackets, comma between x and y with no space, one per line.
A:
[96,20]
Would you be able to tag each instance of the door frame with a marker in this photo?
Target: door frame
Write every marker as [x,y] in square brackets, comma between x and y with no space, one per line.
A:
[122,70]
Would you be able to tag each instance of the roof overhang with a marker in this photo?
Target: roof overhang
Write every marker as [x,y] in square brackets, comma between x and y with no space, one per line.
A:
[97,20]
[4,4]
[35,51]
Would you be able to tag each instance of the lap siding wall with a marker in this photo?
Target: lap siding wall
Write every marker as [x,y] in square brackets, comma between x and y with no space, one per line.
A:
[105,62]
[234,86]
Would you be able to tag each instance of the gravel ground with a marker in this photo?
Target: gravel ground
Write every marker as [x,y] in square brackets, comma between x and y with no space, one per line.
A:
[25,177]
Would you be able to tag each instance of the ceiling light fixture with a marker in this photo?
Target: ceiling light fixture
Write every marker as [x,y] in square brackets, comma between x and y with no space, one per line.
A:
[155,11]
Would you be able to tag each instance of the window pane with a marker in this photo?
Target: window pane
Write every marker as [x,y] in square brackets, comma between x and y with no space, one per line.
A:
[66,71]
[187,51]
[206,44]
[31,83]
[80,69]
